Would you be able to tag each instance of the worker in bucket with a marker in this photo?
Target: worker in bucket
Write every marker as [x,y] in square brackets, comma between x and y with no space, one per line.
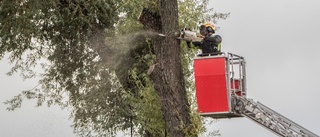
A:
[210,43]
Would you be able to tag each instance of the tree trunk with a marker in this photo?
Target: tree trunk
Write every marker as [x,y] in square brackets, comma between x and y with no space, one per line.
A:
[168,76]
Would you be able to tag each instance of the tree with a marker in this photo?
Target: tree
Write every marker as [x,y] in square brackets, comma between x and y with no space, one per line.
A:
[167,75]
[69,34]
[85,70]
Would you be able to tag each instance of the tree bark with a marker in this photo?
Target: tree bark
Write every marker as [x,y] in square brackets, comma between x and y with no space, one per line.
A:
[168,75]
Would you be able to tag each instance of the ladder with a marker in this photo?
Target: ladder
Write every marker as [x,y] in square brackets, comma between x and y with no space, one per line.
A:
[269,118]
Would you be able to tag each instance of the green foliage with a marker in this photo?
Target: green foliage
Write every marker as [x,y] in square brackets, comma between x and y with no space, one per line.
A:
[102,80]
[65,33]
[192,13]
[146,105]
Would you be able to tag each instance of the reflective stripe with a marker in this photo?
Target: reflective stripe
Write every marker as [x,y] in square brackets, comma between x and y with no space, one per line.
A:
[219,45]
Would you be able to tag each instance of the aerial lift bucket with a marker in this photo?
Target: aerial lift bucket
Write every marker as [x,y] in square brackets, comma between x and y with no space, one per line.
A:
[220,81]
[218,77]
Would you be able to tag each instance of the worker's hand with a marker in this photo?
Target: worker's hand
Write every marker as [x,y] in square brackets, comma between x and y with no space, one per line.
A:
[197,39]
[188,39]
[200,36]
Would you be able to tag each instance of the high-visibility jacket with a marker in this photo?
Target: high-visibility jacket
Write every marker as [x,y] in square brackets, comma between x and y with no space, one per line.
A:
[210,44]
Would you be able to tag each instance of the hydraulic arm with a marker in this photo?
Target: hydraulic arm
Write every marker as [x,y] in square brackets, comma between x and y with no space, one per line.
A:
[269,119]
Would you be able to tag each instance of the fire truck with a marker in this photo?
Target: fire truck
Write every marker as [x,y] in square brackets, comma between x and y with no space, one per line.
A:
[221,92]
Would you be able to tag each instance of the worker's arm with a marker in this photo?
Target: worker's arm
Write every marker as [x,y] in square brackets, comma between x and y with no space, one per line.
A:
[195,41]
[214,39]
[211,44]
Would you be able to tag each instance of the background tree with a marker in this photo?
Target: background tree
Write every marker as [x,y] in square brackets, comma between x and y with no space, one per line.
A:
[83,43]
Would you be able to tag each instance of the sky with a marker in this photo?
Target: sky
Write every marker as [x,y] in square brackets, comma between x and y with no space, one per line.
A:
[278,39]
[29,121]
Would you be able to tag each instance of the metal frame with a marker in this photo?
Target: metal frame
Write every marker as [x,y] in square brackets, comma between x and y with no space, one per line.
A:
[234,61]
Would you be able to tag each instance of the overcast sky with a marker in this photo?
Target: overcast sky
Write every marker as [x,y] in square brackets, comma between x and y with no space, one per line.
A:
[29,121]
[279,40]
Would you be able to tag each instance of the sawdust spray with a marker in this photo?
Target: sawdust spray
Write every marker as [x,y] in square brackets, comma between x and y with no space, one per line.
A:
[113,50]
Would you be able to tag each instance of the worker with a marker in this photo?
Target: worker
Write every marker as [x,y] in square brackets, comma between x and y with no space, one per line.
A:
[211,43]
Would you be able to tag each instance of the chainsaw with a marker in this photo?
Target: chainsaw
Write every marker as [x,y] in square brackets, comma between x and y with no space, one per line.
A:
[186,35]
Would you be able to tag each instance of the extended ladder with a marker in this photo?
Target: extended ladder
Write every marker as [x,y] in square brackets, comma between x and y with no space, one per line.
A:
[269,118]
